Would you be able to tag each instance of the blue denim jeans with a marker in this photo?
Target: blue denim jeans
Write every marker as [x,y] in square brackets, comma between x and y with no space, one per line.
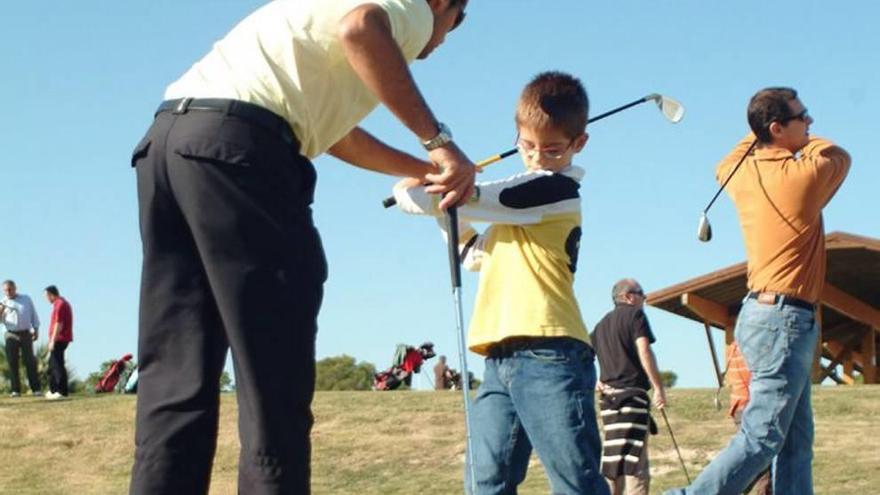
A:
[778,342]
[541,396]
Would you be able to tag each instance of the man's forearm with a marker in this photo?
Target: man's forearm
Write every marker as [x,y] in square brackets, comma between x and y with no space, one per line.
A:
[365,34]
[362,149]
[649,364]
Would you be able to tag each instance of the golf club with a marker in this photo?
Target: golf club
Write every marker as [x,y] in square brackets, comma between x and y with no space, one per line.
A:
[671,109]
[455,274]
[704,229]
[718,373]
[680,459]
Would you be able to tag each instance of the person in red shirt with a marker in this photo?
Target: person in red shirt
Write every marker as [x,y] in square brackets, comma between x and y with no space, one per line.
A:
[60,336]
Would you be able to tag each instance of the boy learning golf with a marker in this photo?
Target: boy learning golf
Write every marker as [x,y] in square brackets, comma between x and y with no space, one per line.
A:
[537,390]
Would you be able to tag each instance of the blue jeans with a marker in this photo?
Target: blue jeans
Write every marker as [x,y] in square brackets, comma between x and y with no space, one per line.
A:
[541,396]
[778,342]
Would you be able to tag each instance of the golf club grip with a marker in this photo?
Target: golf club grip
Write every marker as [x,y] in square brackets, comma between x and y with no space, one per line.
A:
[390,201]
[454,257]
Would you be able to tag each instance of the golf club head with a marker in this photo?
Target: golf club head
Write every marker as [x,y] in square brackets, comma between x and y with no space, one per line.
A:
[671,109]
[704,229]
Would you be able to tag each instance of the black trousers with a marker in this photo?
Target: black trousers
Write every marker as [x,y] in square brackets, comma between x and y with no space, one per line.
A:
[21,342]
[231,259]
[57,370]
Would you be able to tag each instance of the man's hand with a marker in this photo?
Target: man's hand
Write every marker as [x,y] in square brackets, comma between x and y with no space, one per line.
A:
[659,398]
[408,183]
[456,180]
[35,334]
[51,346]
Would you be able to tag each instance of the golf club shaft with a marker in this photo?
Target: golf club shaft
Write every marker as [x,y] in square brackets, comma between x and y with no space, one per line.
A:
[741,160]
[390,201]
[675,444]
[455,276]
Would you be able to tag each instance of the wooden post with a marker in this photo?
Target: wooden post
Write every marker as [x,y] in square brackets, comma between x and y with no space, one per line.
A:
[818,375]
[869,356]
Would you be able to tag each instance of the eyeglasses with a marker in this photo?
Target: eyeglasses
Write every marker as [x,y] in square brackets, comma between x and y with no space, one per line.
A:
[528,149]
[637,292]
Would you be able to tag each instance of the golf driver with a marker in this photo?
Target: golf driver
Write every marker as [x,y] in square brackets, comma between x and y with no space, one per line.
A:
[455,274]
[718,373]
[704,229]
[671,109]
[672,435]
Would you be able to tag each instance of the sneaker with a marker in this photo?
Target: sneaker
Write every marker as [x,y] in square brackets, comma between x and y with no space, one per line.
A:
[14,394]
[54,396]
[37,393]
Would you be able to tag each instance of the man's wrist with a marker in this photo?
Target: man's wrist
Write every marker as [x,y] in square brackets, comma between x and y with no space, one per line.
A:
[441,138]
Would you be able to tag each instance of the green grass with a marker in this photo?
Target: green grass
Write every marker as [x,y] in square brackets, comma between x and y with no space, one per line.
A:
[396,443]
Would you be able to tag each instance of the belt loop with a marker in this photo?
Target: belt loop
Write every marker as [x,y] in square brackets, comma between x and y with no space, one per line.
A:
[182,105]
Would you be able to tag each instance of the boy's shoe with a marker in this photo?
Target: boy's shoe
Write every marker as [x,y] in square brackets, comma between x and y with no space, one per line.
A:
[14,394]
[54,396]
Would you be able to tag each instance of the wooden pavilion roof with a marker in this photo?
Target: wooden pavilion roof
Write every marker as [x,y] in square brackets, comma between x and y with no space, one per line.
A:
[853,265]
[850,301]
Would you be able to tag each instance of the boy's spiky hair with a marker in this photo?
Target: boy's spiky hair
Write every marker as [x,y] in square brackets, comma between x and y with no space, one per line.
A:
[554,100]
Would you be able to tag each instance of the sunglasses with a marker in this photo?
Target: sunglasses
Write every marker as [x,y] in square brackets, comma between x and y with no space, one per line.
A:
[460,17]
[802,116]
[637,293]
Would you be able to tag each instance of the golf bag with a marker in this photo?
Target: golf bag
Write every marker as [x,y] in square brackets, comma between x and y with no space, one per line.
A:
[407,360]
[111,378]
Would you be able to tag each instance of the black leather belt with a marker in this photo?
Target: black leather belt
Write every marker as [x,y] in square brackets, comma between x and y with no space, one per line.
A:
[254,114]
[773,298]
[508,346]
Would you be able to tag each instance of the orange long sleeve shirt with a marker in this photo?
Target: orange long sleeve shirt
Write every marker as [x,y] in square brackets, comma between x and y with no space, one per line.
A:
[779,199]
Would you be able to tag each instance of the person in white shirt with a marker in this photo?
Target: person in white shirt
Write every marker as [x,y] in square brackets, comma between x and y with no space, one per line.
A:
[22,329]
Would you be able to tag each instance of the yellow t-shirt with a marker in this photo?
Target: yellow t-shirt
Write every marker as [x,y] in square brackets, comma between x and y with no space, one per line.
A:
[527,257]
[779,198]
[286,57]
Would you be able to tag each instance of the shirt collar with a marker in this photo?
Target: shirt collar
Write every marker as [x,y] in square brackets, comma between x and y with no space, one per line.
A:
[773,153]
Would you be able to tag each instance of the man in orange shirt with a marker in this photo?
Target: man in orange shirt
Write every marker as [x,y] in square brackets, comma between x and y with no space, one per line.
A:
[779,193]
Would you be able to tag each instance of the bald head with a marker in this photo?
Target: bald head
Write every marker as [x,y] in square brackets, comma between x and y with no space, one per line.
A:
[628,291]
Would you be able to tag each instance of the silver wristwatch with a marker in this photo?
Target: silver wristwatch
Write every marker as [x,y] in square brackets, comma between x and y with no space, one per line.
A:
[444,136]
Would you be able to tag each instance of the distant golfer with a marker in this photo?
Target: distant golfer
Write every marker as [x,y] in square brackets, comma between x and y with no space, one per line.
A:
[628,369]
[537,389]
[231,257]
[779,193]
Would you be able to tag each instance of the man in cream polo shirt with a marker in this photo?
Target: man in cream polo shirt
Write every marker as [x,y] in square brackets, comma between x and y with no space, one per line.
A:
[231,258]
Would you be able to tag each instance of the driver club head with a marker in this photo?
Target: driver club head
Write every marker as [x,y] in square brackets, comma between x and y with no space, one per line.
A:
[671,109]
[704,229]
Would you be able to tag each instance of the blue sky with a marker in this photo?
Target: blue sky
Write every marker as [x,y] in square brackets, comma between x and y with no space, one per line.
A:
[81,80]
